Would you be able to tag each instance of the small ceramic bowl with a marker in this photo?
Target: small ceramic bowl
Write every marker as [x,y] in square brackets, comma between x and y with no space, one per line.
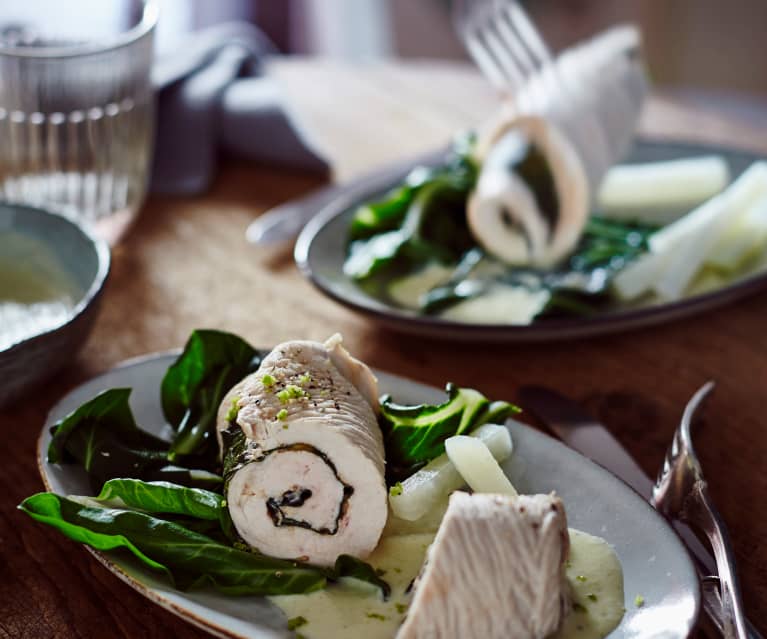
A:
[85,262]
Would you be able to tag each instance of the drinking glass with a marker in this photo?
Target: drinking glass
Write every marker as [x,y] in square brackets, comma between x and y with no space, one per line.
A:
[76,107]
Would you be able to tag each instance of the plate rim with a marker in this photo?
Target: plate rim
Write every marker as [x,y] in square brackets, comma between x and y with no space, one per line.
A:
[553,329]
[220,631]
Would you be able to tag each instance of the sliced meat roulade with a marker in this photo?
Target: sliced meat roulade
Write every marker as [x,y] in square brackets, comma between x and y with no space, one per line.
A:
[303,455]
[496,570]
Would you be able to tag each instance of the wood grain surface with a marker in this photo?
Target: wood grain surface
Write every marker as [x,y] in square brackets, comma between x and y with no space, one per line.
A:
[186,265]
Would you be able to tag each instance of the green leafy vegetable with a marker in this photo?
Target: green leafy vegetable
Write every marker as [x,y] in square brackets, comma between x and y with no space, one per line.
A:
[163,497]
[353,568]
[194,386]
[102,436]
[187,558]
[416,434]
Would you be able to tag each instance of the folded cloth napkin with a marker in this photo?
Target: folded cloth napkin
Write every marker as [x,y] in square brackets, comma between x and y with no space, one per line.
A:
[212,97]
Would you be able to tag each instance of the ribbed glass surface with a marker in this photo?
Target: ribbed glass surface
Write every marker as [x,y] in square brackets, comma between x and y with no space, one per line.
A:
[76,114]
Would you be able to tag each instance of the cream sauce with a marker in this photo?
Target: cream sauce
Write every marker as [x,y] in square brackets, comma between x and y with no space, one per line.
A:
[36,294]
[406,291]
[349,611]
[501,304]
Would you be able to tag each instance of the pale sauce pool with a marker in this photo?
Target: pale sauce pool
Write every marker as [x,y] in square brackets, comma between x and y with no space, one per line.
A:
[351,612]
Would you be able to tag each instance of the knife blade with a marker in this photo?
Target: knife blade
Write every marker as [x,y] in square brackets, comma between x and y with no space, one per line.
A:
[584,434]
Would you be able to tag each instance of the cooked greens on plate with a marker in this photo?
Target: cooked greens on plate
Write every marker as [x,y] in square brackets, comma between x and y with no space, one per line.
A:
[458,240]
[283,473]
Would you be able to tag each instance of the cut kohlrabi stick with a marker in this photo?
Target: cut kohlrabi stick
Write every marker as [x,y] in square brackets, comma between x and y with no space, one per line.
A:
[412,498]
[476,464]
[653,267]
[745,240]
[725,209]
[659,192]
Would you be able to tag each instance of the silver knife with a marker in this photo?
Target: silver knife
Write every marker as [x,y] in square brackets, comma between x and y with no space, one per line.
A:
[581,432]
[280,226]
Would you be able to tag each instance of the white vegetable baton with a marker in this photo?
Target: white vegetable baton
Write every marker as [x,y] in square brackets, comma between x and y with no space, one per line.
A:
[411,499]
[477,466]
[678,251]
[657,192]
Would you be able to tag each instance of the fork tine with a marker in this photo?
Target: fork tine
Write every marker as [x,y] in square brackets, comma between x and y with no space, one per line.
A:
[515,41]
[485,60]
[528,32]
[503,58]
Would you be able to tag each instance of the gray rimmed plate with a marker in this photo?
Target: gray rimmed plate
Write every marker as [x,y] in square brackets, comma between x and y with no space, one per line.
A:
[655,564]
[321,249]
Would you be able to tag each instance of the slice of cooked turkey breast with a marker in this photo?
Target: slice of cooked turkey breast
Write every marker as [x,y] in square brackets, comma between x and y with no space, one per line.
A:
[304,456]
[495,570]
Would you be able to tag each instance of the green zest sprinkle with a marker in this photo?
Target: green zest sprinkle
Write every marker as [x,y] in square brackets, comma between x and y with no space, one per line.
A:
[639,601]
[296,622]
[396,490]
[283,414]
[375,615]
[592,597]
[581,578]
[267,380]
[233,410]
[291,391]
[304,379]
[401,607]
[579,607]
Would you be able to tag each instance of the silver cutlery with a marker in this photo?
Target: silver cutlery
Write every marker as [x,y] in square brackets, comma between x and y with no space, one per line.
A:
[576,428]
[681,493]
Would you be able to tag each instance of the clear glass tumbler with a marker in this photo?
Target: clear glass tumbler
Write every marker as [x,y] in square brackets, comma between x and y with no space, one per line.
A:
[76,107]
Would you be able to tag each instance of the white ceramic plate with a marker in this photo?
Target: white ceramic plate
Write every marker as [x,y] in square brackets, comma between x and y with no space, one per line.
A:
[655,564]
[321,251]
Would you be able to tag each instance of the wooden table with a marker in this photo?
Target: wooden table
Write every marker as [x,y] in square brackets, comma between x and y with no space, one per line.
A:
[186,264]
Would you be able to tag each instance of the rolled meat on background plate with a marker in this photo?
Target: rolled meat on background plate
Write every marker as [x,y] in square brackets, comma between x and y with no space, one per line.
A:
[304,456]
[532,198]
[567,126]
[496,570]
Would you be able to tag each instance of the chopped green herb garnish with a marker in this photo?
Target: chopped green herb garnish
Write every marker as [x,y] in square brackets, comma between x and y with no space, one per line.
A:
[283,414]
[267,380]
[579,607]
[581,578]
[592,596]
[233,410]
[291,391]
[639,601]
[296,622]
[285,426]
[375,615]
[398,570]
[401,607]
[304,379]
[396,490]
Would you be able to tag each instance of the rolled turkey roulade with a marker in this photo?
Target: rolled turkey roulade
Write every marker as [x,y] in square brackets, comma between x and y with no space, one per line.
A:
[304,456]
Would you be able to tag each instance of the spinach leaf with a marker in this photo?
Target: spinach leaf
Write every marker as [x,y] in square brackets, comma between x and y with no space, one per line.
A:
[353,568]
[163,497]
[193,387]
[187,558]
[416,434]
[103,437]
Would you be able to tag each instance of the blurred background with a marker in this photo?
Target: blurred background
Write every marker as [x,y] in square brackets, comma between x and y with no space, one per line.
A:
[705,44]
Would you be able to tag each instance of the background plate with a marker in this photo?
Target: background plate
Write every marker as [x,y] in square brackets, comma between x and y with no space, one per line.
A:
[655,564]
[321,249]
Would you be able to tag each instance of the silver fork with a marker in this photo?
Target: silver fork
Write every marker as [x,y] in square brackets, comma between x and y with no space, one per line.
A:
[511,53]
[681,493]
[502,41]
